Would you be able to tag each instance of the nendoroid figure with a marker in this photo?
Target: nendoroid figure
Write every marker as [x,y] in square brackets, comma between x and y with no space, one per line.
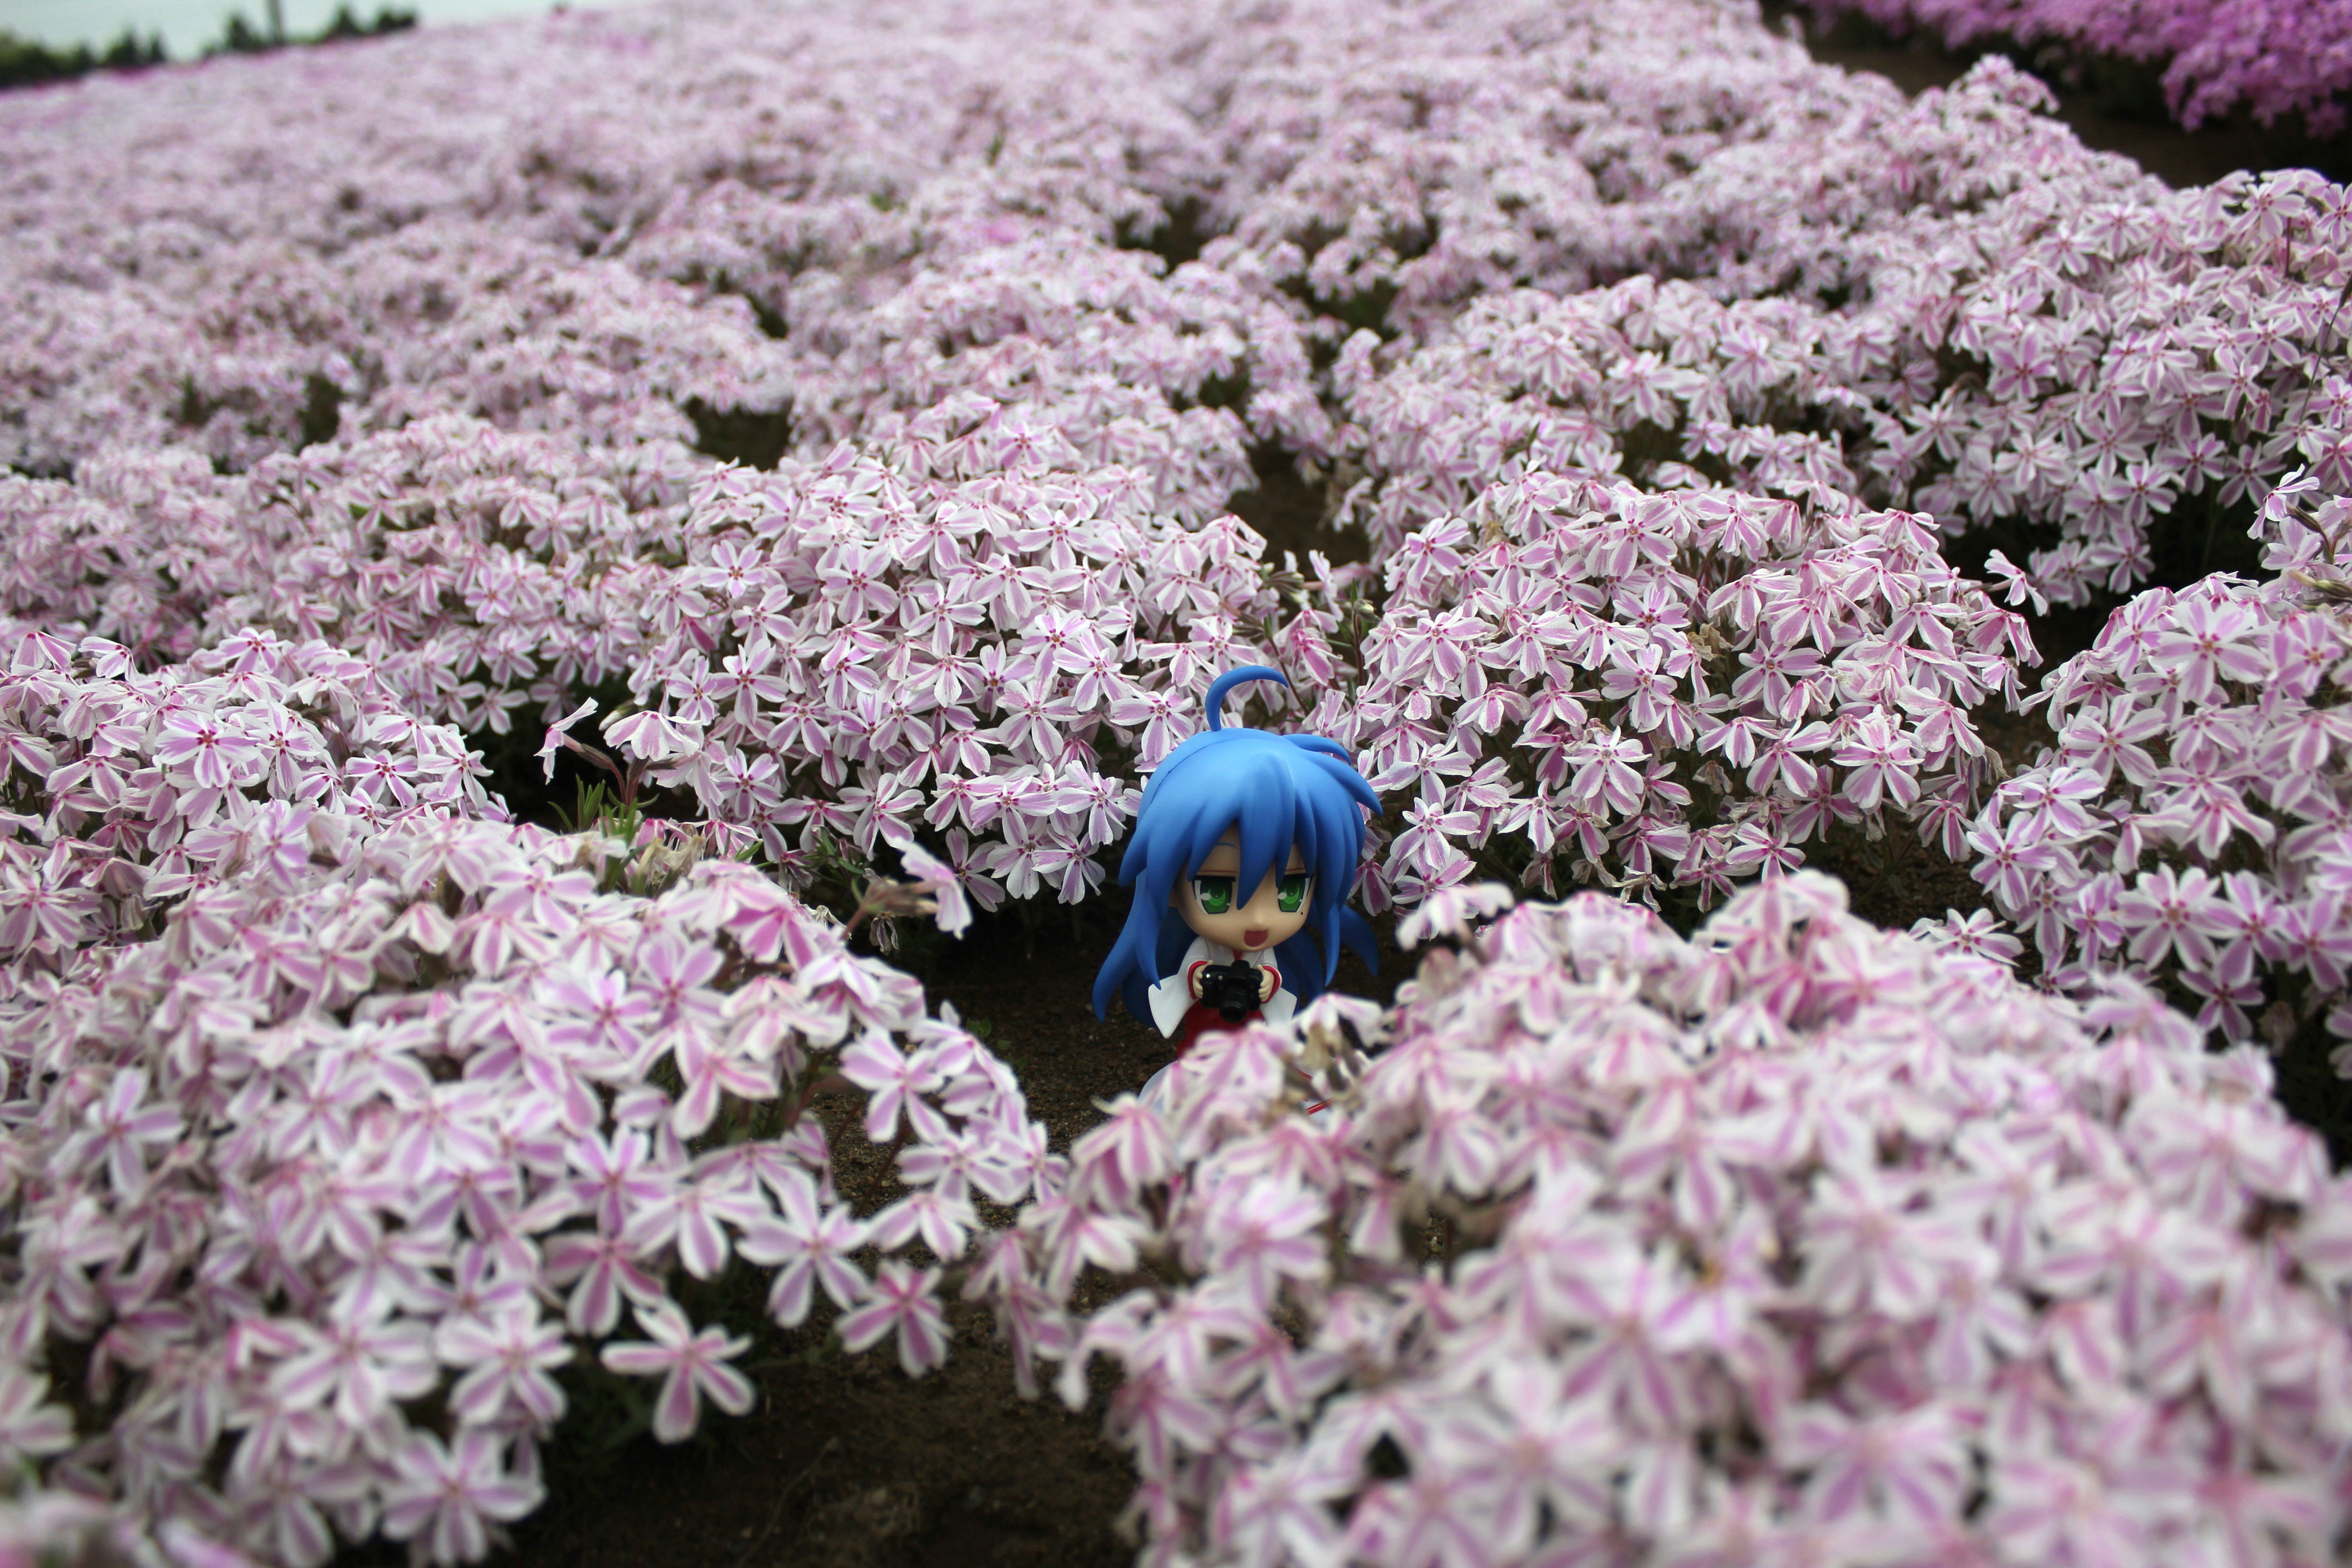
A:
[1252,840]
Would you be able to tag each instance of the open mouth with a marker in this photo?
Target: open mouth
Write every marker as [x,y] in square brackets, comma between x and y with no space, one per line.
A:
[1254,939]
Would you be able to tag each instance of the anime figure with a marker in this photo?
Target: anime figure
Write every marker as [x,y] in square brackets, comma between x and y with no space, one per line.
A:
[1252,840]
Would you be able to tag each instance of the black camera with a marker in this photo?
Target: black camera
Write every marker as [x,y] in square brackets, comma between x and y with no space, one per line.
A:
[1231,988]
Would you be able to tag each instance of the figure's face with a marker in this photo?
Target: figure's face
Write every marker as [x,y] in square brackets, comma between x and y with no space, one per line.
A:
[1213,904]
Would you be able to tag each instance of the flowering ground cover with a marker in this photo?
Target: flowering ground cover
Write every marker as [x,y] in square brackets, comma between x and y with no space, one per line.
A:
[2272,59]
[820,431]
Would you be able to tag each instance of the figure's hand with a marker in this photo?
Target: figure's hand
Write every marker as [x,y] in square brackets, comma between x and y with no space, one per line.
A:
[1266,984]
[1192,980]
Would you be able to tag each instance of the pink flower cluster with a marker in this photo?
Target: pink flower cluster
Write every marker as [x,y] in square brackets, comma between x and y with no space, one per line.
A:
[2077,358]
[967,642]
[1795,1242]
[2189,824]
[937,639]
[1980,316]
[1643,689]
[2274,57]
[1105,361]
[341,1116]
[474,568]
[353,400]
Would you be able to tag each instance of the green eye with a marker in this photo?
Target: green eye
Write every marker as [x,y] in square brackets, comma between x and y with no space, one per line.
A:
[1293,892]
[1215,894]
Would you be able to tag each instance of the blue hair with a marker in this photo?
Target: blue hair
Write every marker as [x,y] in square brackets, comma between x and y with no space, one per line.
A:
[1280,792]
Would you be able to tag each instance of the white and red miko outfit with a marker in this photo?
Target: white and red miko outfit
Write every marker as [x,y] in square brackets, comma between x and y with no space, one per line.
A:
[1183,1018]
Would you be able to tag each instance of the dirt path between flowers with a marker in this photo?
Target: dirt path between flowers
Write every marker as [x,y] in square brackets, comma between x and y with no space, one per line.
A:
[847,1463]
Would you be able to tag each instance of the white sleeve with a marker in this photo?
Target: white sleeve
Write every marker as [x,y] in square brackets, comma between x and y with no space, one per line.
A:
[1172,997]
[1278,1007]
[1170,1000]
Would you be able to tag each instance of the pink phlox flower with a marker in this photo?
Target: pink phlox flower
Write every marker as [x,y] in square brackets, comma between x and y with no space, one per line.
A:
[538,892]
[454,1497]
[607,1272]
[2104,1505]
[357,1361]
[2170,910]
[477,1289]
[806,1244]
[904,1299]
[2138,1254]
[2062,798]
[770,925]
[1282,1511]
[692,1365]
[601,1015]
[2013,856]
[1664,1138]
[1870,1248]
[210,748]
[1259,1233]
[2192,806]
[556,737]
[119,1131]
[933,876]
[1523,1446]
[1622,1359]
[943,1220]
[1014,1158]
[1071,1234]
[618,1176]
[1883,762]
[1289,1378]
[1128,1151]
[688,1214]
[1979,933]
[709,1071]
[445,1128]
[2205,644]
[1456,1149]
[1735,1283]
[951,1162]
[2020,582]
[895,1083]
[1453,911]
[1910,1466]
[509,1355]
[1228,1080]
[1608,772]
[1157,1418]
[30,1429]
[2214,1156]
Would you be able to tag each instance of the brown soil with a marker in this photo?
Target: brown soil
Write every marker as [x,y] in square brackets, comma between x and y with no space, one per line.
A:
[847,1463]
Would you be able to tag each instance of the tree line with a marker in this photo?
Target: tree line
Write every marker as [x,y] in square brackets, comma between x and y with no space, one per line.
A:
[25,62]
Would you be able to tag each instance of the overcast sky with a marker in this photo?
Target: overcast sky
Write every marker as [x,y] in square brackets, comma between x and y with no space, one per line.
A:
[187,26]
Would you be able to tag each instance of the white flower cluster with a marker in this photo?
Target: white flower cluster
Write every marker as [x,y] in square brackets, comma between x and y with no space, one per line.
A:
[1649,688]
[2077,360]
[2194,820]
[1795,1242]
[339,1113]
